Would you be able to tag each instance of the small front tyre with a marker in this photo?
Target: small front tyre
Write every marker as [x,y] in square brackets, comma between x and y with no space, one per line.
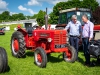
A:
[40,57]
[70,55]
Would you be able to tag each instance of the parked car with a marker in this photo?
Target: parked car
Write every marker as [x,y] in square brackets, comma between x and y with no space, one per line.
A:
[2,31]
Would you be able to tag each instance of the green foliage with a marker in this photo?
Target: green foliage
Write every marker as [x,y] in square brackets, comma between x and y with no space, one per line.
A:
[5,16]
[34,16]
[53,18]
[96,15]
[21,16]
[28,17]
[41,17]
[93,4]
[14,17]
[71,4]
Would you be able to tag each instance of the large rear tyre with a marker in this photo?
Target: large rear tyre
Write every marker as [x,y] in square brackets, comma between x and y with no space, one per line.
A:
[40,57]
[18,44]
[70,55]
[3,60]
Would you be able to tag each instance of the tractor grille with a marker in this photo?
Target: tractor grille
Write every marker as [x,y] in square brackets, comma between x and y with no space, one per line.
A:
[60,38]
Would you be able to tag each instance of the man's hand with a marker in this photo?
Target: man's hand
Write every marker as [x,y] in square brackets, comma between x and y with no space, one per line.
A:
[89,39]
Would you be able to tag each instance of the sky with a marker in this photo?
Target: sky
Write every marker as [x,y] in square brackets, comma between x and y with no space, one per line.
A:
[28,7]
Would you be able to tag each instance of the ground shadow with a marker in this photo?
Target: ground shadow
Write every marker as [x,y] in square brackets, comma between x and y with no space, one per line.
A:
[54,59]
[82,52]
[81,60]
[50,58]
[80,48]
[30,53]
[8,69]
[96,62]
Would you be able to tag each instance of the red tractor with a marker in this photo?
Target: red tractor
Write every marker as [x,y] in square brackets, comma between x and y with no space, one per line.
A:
[3,60]
[42,42]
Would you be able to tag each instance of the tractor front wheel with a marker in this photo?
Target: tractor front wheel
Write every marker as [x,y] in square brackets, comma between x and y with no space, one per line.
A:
[70,55]
[18,44]
[40,57]
[3,60]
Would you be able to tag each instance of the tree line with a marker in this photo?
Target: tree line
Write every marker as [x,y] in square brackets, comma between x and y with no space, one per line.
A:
[6,16]
[93,4]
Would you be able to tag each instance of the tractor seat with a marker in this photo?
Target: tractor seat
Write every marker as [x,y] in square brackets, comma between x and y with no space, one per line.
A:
[29,31]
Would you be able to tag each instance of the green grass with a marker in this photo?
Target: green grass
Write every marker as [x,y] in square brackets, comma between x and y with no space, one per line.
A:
[55,65]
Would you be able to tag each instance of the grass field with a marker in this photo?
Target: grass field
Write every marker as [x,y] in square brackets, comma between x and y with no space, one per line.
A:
[55,65]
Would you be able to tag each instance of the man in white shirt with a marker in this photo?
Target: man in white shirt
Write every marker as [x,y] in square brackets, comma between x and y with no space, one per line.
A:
[75,31]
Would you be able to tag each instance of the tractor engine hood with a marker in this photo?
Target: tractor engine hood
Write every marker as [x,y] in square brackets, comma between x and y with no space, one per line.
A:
[43,34]
[58,36]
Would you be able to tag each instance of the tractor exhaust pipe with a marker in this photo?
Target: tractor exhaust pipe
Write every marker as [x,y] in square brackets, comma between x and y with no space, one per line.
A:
[46,20]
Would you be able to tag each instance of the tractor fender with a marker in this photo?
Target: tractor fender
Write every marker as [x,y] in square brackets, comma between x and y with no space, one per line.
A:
[23,31]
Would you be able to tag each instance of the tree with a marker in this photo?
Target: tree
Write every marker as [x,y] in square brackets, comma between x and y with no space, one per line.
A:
[28,17]
[11,18]
[71,4]
[62,6]
[34,16]
[5,16]
[21,16]
[96,15]
[93,4]
[1,17]
[40,18]
[53,18]
[15,17]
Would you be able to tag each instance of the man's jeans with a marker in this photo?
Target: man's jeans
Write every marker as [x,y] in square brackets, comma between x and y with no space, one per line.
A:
[85,42]
[74,41]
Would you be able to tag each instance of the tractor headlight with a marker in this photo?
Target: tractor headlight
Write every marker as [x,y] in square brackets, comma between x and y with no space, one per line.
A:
[49,39]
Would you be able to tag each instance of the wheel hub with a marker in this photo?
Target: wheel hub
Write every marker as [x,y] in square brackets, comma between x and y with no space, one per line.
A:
[39,58]
[69,55]
[16,45]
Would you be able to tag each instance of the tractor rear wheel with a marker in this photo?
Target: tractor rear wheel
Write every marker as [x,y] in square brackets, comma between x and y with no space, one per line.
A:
[18,44]
[40,57]
[3,60]
[70,55]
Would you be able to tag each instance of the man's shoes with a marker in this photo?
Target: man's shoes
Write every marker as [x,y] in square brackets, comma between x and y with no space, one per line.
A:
[92,56]
[90,64]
